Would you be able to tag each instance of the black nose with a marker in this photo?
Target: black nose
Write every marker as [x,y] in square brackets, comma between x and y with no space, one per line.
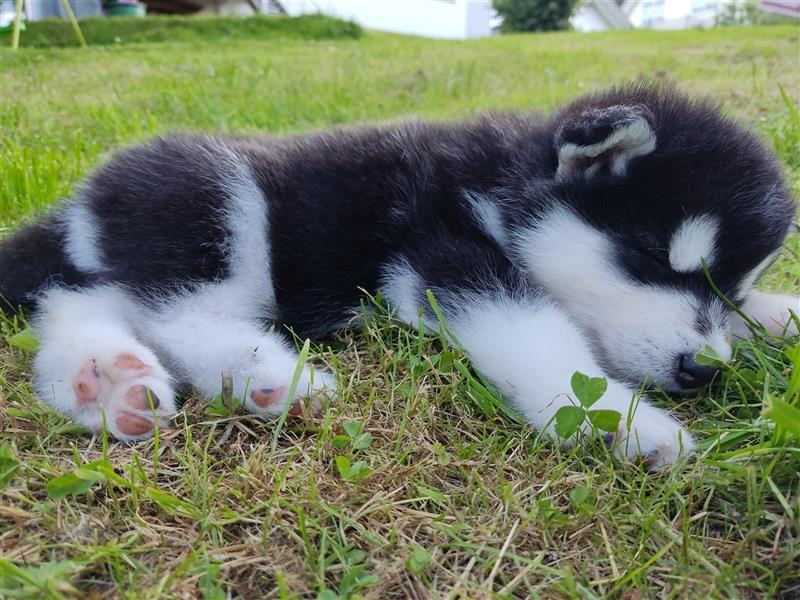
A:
[691,375]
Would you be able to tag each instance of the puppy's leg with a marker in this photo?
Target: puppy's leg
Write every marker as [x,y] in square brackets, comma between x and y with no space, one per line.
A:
[90,364]
[529,349]
[771,310]
[203,345]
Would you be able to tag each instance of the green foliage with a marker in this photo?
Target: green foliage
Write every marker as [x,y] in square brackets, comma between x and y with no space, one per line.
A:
[534,15]
[8,465]
[81,479]
[785,411]
[354,437]
[46,580]
[351,471]
[587,390]
[50,33]
[784,129]
[740,13]
[419,560]
[25,340]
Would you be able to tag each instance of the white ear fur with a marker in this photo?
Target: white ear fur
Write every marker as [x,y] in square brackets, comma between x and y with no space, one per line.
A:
[692,242]
[633,138]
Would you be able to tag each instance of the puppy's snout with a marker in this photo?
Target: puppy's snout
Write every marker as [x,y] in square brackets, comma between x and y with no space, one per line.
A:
[691,375]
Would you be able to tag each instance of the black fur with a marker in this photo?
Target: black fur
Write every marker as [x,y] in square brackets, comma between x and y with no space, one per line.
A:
[32,259]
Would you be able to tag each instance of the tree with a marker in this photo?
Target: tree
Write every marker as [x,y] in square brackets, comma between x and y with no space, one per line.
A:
[534,15]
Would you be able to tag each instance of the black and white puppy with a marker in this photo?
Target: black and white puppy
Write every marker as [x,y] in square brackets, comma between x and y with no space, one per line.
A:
[552,244]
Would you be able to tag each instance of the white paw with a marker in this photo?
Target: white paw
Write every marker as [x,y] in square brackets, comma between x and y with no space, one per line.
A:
[773,311]
[655,437]
[781,322]
[122,382]
[268,394]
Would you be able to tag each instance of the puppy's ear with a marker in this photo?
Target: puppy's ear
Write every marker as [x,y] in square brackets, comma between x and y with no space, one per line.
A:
[604,139]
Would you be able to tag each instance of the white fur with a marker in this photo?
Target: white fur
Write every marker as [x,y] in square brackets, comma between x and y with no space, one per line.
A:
[693,242]
[633,139]
[81,238]
[639,331]
[403,288]
[488,215]
[771,310]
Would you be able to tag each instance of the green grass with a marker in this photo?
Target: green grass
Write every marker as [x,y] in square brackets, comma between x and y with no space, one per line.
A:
[410,483]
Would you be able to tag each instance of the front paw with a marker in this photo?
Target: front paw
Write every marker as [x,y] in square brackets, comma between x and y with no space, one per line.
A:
[654,437]
[773,311]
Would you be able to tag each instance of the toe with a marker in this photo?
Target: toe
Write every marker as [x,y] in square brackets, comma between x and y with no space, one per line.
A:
[130,362]
[87,383]
[265,397]
[132,424]
[139,397]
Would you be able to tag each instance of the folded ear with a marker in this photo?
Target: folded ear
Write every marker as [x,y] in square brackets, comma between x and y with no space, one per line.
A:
[604,139]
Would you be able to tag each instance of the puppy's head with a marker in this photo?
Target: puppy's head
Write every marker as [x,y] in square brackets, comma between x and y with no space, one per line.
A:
[651,190]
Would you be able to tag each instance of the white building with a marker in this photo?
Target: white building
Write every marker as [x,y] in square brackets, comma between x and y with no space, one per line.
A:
[449,19]
[599,15]
[675,14]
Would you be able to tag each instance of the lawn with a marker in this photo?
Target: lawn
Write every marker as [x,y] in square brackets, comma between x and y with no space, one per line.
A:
[410,483]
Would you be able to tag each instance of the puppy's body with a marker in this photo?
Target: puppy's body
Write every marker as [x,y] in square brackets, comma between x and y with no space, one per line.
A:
[552,245]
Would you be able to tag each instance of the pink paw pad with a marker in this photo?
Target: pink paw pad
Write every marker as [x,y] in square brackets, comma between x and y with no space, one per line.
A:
[132,424]
[266,396]
[130,362]
[87,383]
[139,397]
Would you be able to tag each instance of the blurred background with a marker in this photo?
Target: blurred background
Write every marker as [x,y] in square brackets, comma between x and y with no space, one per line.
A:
[452,19]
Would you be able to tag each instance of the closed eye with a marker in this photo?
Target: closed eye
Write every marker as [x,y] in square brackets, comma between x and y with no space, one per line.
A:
[658,257]
[648,265]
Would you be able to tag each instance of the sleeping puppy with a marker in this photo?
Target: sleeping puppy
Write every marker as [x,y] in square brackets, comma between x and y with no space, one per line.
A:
[582,241]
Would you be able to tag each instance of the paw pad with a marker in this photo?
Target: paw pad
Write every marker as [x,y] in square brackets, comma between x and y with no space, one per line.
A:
[133,424]
[139,397]
[266,396]
[130,362]
[87,384]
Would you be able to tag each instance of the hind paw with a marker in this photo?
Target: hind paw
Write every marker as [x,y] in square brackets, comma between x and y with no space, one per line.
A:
[134,393]
[127,389]
[270,395]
